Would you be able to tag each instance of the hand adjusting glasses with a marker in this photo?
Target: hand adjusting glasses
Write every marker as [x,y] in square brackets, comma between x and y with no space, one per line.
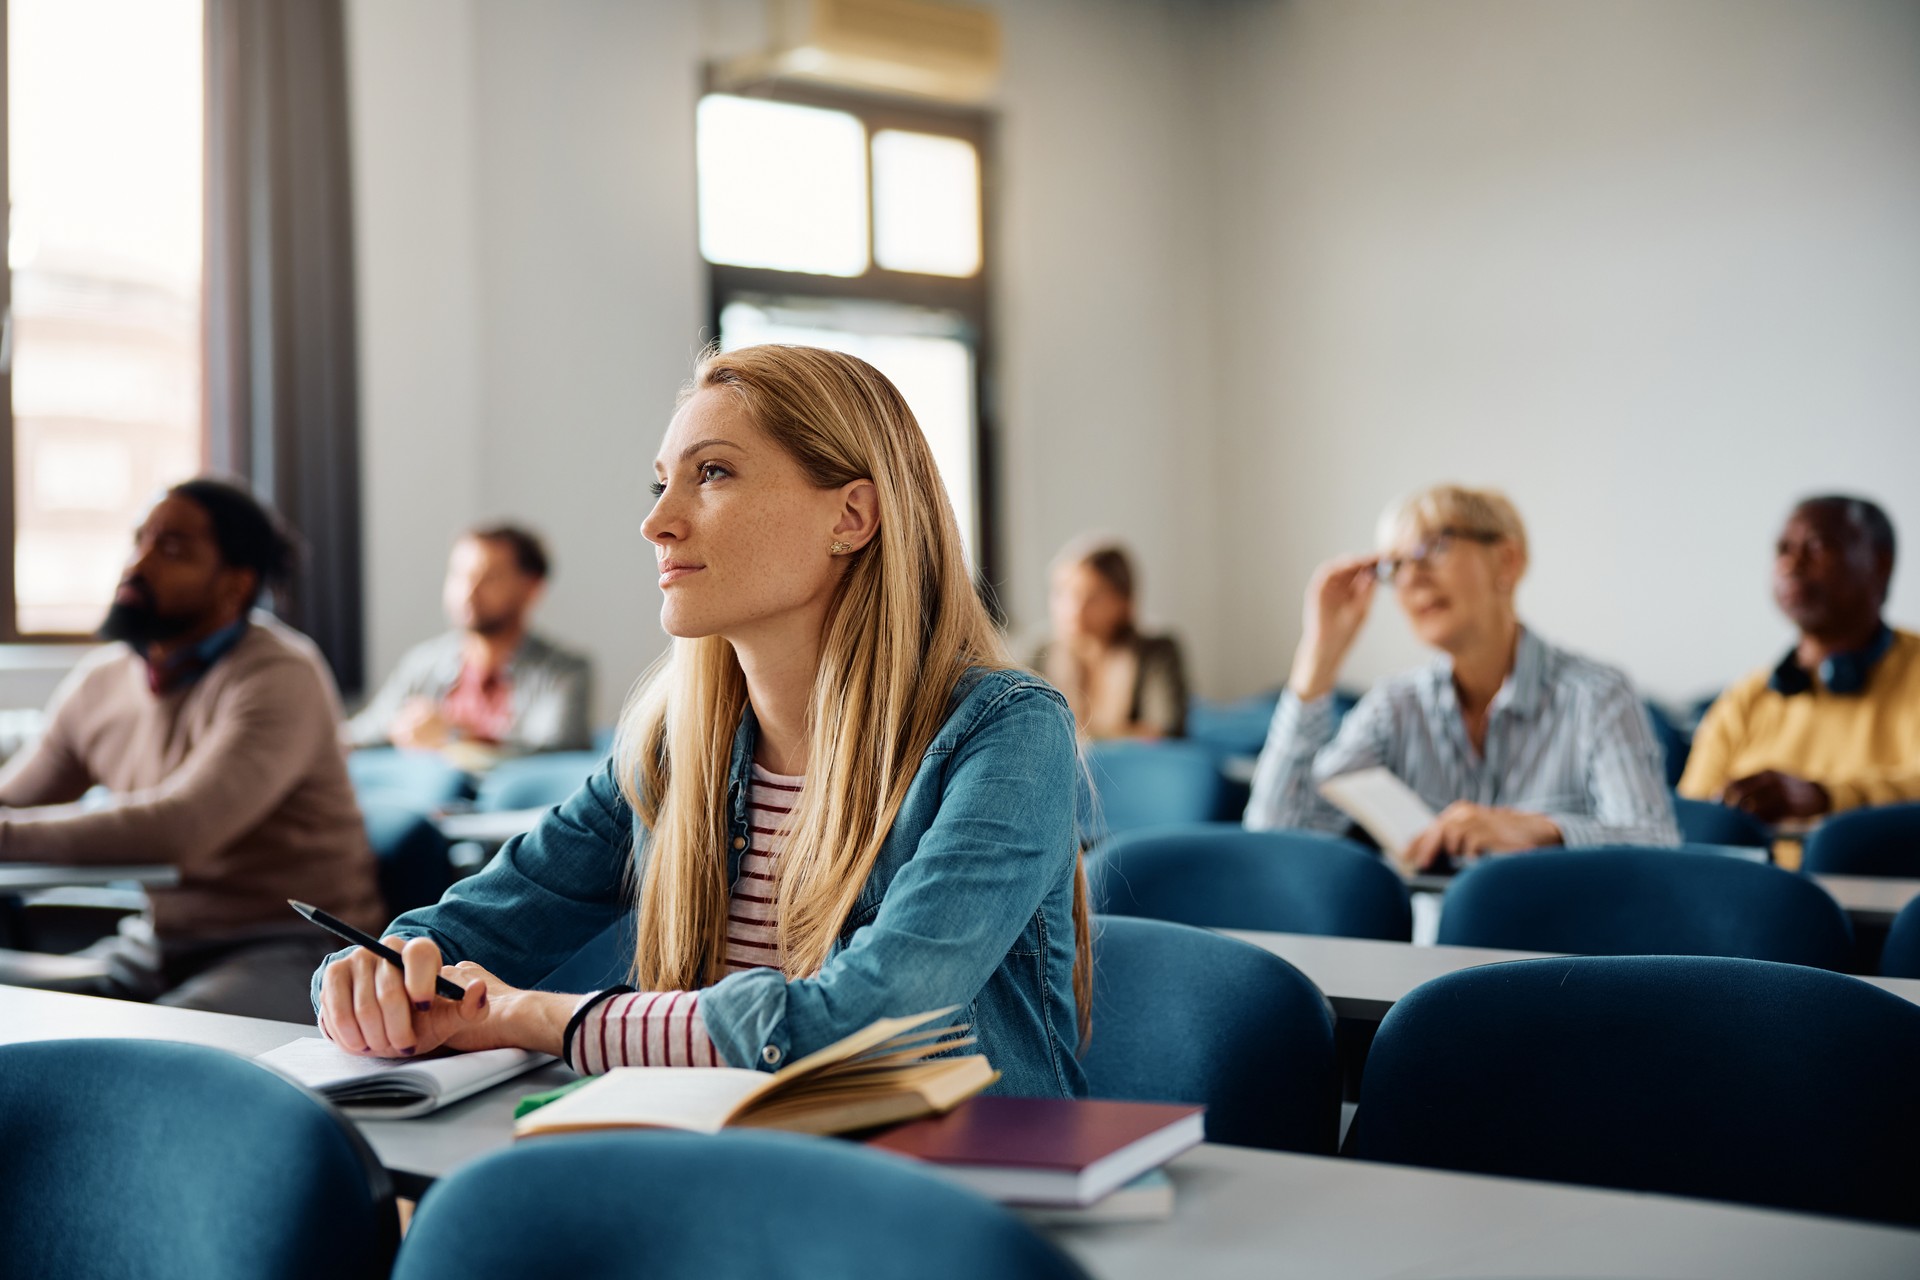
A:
[1430,552]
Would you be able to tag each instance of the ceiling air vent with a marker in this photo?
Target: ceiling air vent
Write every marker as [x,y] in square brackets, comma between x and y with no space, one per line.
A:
[920,47]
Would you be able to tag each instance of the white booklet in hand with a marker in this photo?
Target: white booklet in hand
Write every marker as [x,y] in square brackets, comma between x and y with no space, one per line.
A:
[395,1088]
[1386,808]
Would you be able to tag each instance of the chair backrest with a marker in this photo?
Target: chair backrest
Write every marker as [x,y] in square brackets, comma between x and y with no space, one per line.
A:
[142,1157]
[674,1206]
[1623,902]
[1883,841]
[1704,822]
[1148,784]
[422,779]
[1733,1079]
[410,853]
[1675,745]
[535,782]
[1183,1015]
[1900,957]
[1237,728]
[1222,876]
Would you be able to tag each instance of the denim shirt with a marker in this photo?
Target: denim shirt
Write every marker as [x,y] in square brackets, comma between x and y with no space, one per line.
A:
[969,903]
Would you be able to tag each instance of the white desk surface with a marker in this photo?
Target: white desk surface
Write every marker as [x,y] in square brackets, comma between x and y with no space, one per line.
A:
[26,877]
[1867,899]
[1237,1213]
[1870,899]
[1363,978]
[493,828]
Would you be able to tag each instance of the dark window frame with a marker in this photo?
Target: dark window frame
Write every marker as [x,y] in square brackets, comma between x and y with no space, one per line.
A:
[969,298]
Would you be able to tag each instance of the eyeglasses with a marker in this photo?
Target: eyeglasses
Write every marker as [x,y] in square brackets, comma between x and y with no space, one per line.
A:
[1430,553]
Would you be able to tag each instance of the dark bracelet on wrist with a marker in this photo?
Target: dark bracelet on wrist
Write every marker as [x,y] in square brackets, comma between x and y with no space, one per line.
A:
[580,1015]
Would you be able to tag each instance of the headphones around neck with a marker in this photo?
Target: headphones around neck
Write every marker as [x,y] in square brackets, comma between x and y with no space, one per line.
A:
[1845,674]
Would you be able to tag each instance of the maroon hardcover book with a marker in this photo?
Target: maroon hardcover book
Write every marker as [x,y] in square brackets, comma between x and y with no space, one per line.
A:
[1054,1151]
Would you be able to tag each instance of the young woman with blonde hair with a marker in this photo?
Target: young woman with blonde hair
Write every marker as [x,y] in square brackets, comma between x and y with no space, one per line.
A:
[834,801]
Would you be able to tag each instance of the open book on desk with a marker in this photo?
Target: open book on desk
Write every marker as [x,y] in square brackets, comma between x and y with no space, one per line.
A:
[1386,808]
[395,1088]
[882,1074]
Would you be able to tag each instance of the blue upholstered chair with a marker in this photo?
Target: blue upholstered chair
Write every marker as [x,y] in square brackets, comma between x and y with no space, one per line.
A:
[675,1206]
[180,1162]
[1183,1015]
[418,778]
[1900,957]
[1237,728]
[410,853]
[1645,902]
[1145,784]
[1704,822]
[1675,744]
[1883,841]
[536,782]
[1740,1080]
[1223,876]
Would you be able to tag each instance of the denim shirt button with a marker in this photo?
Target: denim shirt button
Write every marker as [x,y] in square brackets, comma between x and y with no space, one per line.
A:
[770,1055]
[739,842]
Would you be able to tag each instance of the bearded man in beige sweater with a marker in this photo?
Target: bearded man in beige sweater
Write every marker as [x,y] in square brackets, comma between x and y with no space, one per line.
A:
[216,732]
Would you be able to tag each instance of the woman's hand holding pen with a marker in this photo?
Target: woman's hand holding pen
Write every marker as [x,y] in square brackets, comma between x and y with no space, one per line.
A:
[369,1007]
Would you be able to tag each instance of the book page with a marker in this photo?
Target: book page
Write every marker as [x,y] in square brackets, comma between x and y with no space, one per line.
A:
[696,1098]
[323,1066]
[1385,807]
[868,1038]
[319,1064]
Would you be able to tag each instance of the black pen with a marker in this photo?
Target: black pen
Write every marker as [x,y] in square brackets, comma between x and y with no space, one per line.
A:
[346,932]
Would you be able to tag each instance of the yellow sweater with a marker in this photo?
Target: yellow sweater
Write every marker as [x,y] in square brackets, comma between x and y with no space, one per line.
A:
[1863,748]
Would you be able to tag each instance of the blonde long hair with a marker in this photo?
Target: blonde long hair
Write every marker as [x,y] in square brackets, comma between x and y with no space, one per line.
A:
[904,626]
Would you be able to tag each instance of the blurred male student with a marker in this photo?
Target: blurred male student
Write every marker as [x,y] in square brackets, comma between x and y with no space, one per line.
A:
[214,731]
[490,683]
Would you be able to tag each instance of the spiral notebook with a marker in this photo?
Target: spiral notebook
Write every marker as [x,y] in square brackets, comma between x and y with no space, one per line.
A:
[395,1088]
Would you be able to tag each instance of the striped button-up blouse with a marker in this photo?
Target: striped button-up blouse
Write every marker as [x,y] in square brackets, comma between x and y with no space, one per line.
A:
[1566,738]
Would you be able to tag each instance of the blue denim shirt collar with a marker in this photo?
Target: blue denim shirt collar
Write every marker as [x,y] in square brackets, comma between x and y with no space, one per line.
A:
[740,789]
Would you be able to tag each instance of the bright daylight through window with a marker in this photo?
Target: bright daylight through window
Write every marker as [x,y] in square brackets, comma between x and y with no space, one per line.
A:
[792,195]
[104,169]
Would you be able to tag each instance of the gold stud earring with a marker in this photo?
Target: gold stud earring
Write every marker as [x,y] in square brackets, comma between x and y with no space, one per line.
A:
[838,548]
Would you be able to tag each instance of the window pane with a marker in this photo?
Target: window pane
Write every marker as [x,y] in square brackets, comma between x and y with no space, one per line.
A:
[104,136]
[782,186]
[926,203]
[934,372]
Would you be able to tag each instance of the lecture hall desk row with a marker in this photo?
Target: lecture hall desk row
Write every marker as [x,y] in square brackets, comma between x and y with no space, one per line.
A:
[1238,1212]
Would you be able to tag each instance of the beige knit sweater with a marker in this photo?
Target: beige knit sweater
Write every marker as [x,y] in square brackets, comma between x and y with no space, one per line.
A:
[237,779]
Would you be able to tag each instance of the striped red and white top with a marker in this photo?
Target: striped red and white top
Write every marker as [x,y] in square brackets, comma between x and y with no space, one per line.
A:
[664,1028]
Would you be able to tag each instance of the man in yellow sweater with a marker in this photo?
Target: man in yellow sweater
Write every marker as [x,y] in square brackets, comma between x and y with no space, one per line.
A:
[1836,725]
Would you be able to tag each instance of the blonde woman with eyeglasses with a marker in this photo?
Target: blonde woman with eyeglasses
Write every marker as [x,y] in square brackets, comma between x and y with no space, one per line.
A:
[835,800]
[1514,743]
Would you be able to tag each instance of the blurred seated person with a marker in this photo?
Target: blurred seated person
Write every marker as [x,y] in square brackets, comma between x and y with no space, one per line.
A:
[1120,682]
[1514,743]
[491,687]
[216,731]
[1836,723]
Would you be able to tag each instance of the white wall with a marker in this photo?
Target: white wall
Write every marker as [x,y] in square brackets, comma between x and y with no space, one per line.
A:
[1653,268]
[411,104]
[530,296]
[1263,264]
[1104,308]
